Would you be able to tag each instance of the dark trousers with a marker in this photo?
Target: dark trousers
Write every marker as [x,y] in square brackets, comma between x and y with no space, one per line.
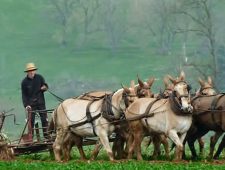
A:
[43,116]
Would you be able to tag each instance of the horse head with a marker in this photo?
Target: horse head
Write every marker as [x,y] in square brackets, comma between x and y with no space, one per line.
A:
[168,88]
[206,87]
[143,89]
[129,95]
[181,92]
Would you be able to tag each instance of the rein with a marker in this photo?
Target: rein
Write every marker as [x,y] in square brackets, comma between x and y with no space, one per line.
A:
[57,97]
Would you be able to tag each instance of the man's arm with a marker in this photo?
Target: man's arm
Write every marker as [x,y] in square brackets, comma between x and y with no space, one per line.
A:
[44,86]
[24,96]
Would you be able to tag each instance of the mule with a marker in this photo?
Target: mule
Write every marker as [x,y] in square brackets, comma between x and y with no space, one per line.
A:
[206,88]
[142,89]
[209,114]
[156,138]
[88,118]
[171,116]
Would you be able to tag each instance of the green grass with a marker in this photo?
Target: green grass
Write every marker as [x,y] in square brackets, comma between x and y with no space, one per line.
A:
[45,161]
[35,165]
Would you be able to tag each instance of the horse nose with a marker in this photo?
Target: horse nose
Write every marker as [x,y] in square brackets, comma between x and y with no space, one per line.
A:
[188,109]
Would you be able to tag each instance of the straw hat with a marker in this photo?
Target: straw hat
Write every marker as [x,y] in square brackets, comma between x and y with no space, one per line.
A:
[30,67]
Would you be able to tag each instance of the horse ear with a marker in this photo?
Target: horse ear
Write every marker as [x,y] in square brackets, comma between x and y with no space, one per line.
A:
[140,82]
[171,79]
[182,75]
[132,84]
[165,80]
[201,82]
[127,90]
[150,81]
[210,80]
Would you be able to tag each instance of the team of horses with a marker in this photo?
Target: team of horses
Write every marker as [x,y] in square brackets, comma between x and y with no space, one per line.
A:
[135,113]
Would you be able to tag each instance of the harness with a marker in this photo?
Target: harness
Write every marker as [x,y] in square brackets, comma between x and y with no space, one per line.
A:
[146,113]
[213,108]
[176,106]
[89,119]
[106,109]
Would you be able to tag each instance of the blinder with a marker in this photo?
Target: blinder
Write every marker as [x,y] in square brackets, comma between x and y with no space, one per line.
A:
[125,98]
[189,87]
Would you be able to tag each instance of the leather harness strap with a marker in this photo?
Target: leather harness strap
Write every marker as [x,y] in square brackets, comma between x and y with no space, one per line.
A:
[215,107]
[146,114]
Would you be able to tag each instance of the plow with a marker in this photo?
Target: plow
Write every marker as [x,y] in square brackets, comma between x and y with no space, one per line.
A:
[30,140]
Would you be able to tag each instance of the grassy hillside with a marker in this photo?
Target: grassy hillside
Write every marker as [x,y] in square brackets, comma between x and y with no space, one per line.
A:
[31,31]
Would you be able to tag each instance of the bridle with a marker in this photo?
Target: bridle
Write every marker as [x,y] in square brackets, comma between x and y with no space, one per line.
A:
[141,92]
[176,100]
[201,91]
[125,98]
[174,92]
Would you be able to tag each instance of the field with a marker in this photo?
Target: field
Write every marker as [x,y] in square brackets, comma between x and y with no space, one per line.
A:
[44,161]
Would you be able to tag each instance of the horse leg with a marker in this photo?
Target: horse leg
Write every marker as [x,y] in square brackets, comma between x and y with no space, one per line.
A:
[129,145]
[67,145]
[201,145]
[138,141]
[213,141]
[156,141]
[78,140]
[220,148]
[165,143]
[57,145]
[118,146]
[179,145]
[105,142]
[96,150]
[191,140]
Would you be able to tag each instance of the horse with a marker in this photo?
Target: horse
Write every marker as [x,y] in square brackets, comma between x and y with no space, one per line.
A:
[156,138]
[171,116]
[209,114]
[142,89]
[80,117]
[206,88]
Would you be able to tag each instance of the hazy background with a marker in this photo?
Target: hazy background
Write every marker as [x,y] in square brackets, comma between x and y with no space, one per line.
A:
[83,45]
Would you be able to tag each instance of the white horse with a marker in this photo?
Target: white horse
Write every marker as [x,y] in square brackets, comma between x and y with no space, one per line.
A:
[79,118]
[171,116]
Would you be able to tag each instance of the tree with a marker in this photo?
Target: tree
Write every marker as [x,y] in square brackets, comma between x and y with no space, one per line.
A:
[64,10]
[199,12]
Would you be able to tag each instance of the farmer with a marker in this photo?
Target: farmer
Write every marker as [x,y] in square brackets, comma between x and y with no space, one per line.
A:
[33,87]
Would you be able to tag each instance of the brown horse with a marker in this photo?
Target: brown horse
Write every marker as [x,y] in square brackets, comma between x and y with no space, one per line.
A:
[206,88]
[209,114]
[171,117]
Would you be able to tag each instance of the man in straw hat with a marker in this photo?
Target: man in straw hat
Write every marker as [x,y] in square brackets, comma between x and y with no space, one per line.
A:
[33,87]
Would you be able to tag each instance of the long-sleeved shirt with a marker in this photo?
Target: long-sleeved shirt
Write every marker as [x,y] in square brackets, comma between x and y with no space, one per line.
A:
[32,94]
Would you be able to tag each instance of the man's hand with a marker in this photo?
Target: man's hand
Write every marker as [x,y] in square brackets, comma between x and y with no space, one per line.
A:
[28,108]
[44,88]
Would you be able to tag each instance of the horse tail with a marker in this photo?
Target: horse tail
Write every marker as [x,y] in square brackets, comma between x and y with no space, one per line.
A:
[52,123]
[51,126]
